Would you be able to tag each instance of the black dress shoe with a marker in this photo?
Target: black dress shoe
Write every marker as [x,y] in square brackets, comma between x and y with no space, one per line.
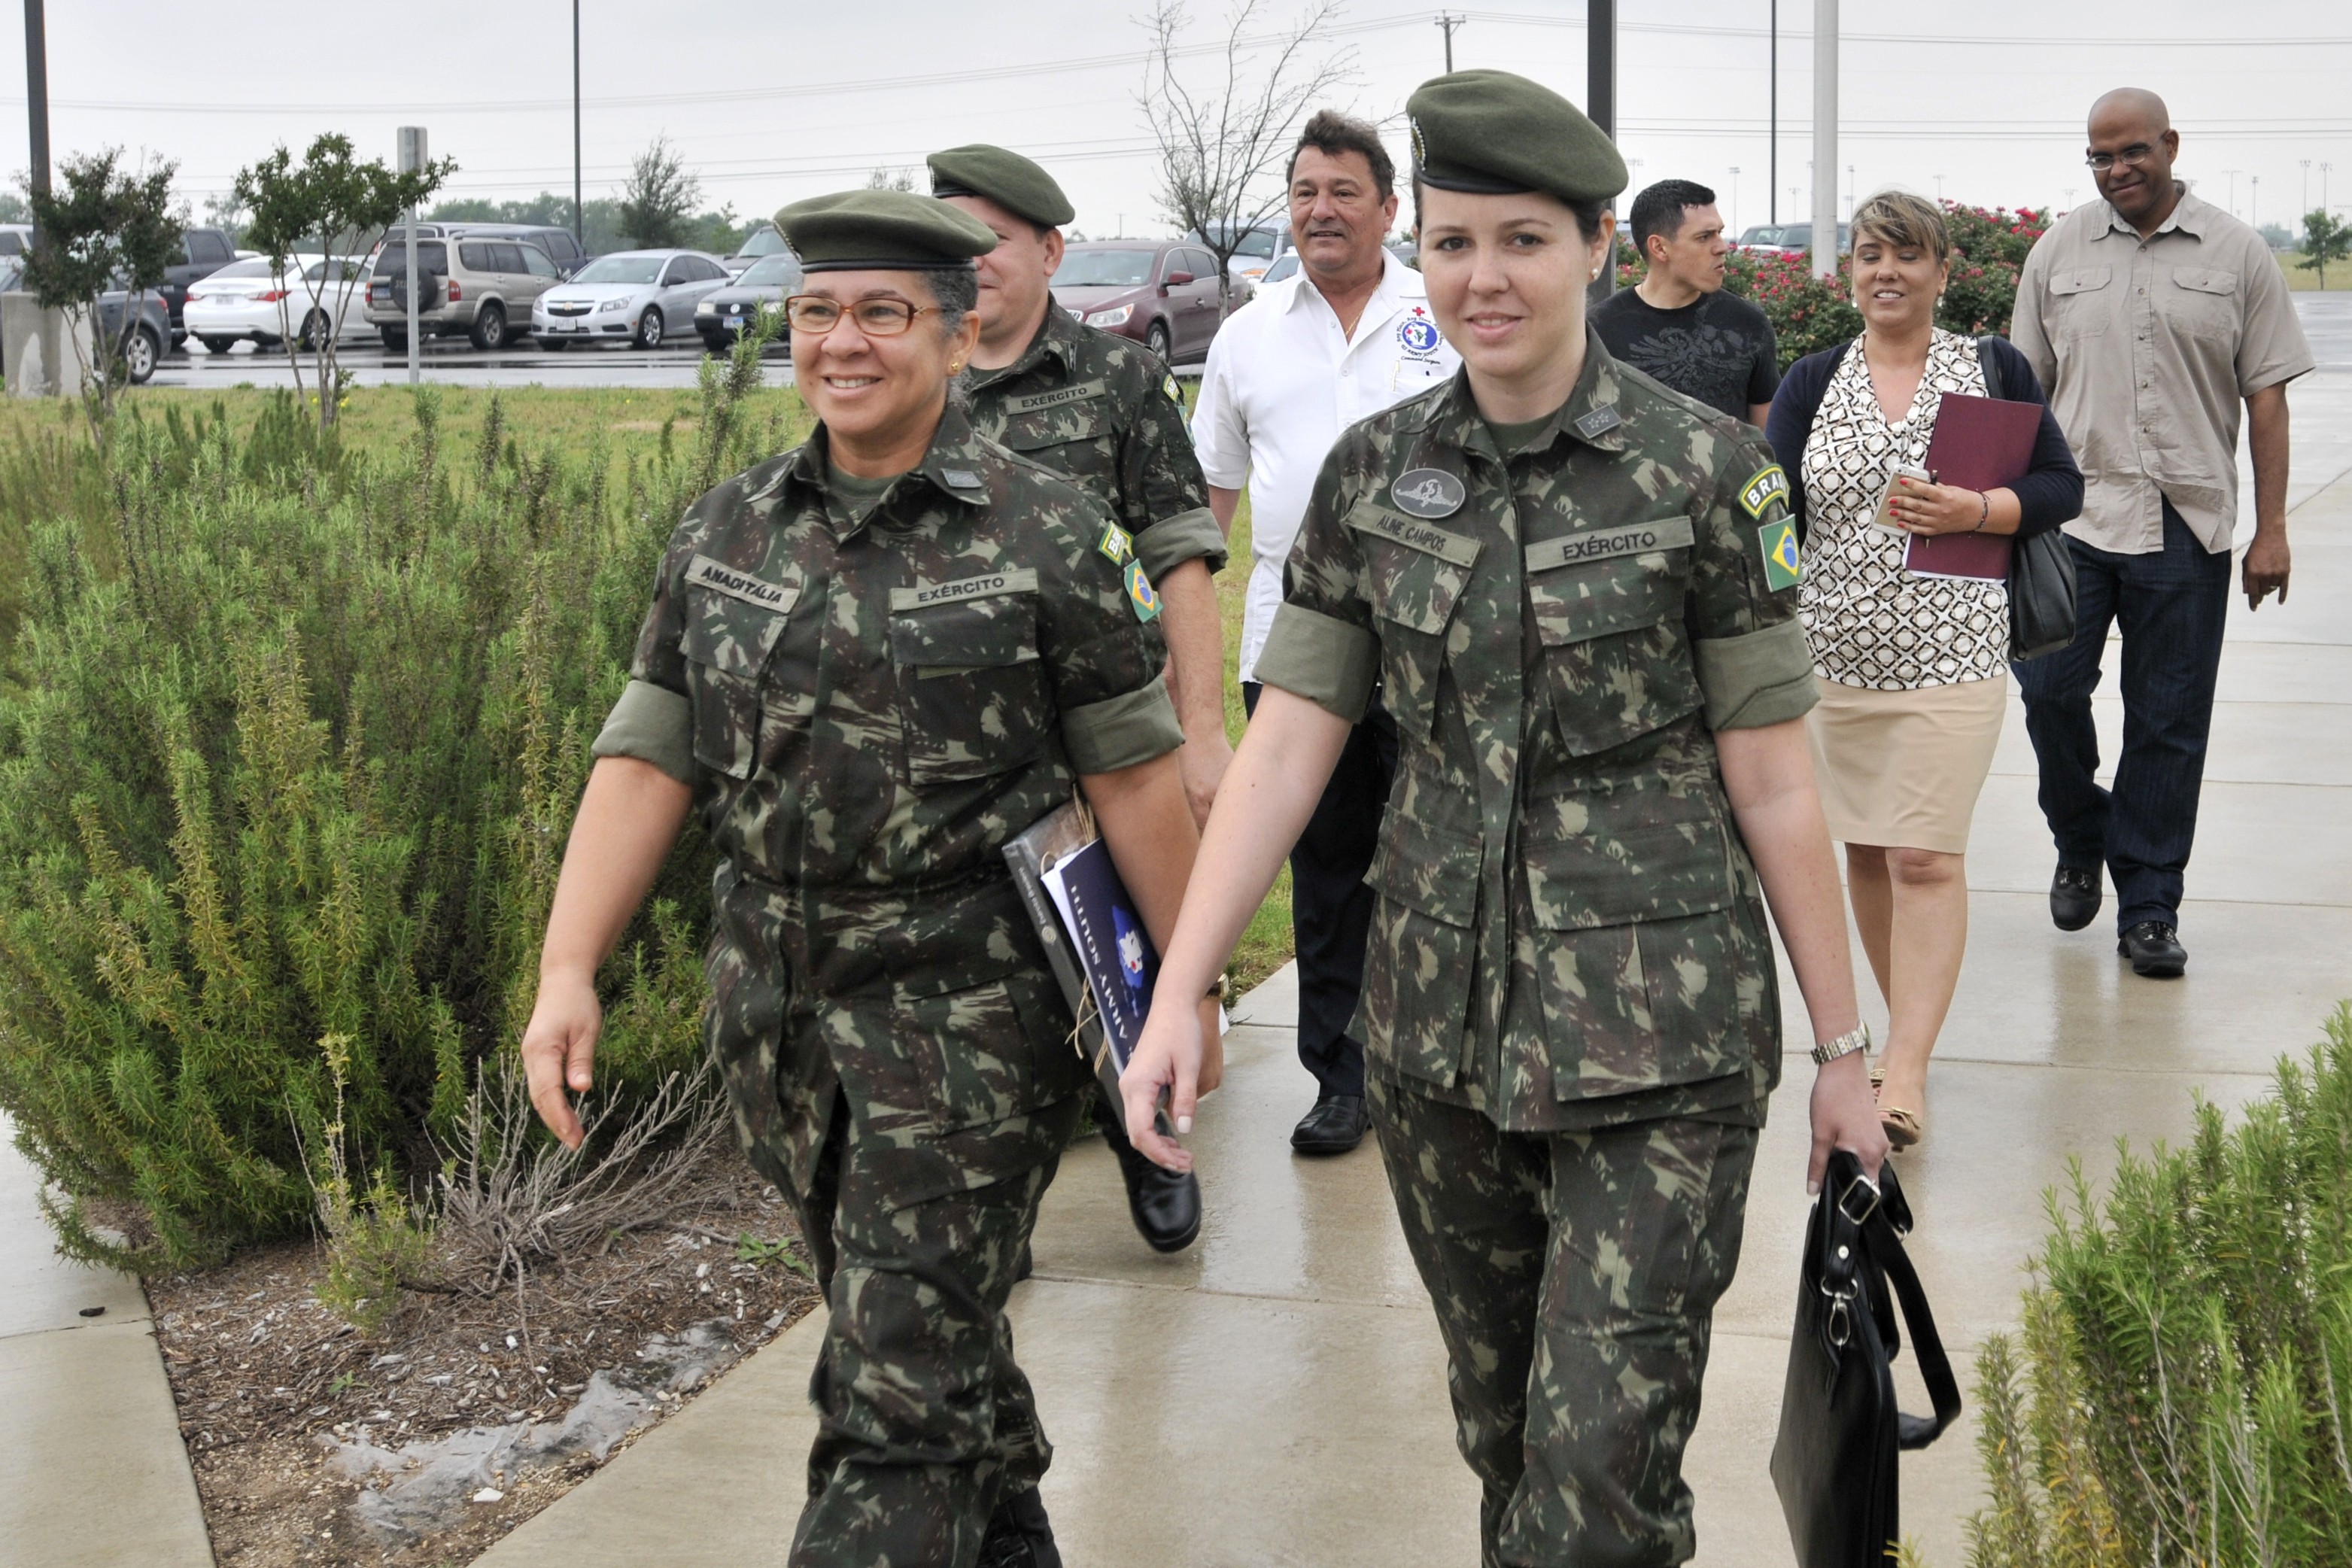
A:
[2155,950]
[2075,897]
[1019,1535]
[1164,1204]
[1337,1124]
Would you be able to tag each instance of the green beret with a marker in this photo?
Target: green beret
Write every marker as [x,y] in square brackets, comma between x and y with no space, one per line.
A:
[887,231]
[1008,179]
[1490,133]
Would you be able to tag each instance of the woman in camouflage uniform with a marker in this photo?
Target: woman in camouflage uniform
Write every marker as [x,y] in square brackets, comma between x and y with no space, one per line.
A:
[1573,587]
[869,663]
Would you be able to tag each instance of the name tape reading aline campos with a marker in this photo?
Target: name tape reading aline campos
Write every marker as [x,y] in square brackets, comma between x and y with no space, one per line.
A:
[702,572]
[1604,543]
[1022,580]
[1415,535]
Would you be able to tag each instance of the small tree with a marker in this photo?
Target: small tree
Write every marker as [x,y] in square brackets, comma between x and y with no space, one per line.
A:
[110,229]
[657,204]
[2325,238]
[1219,147]
[345,207]
[886,178]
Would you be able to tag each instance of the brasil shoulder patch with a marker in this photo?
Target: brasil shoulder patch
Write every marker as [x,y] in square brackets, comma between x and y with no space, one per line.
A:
[1141,595]
[1116,544]
[1771,484]
[1783,565]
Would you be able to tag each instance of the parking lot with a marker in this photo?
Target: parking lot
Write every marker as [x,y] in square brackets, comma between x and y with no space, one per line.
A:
[455,362]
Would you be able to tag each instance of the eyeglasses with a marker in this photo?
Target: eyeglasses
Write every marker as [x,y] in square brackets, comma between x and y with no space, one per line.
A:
[2135,154]
[816,315]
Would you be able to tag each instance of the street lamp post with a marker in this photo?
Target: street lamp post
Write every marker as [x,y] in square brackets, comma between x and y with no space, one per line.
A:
[2233,174]
[579,221]
[36,102]
[2254,202]
[2306,184]
[1601,98]
[1825,137]
[1735,198]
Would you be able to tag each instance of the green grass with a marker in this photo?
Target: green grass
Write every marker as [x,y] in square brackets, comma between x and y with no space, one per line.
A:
[2301,279]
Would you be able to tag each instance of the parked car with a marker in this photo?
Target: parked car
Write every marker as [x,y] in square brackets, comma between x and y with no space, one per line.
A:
[141,335]
[482,287]
[203,251]
[763,241]
[256,302]
[1260,245]
[15,238]
[721,315]
[1285,266]
[637,296]
[558,244]
[1161,293]
[1789,238]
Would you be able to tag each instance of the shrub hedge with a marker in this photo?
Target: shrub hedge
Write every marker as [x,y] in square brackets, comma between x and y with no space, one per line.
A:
[2181,1392]
[288,749]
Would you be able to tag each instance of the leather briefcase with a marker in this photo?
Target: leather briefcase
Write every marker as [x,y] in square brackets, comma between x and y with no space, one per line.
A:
[1835,1461]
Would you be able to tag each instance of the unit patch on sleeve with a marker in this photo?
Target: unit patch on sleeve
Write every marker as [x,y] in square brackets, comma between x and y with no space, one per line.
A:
[1782,563]
[1769,485]
[1116,543]
[1175,393]
[1140,592]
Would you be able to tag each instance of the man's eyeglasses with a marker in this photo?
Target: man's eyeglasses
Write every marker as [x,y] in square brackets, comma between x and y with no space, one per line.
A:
[2135,154]
[816,315]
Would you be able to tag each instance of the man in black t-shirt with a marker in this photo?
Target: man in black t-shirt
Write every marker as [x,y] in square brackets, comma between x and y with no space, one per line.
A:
[1677,324]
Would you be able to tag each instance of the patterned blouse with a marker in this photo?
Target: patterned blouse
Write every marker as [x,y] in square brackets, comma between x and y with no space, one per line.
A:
[1869,622]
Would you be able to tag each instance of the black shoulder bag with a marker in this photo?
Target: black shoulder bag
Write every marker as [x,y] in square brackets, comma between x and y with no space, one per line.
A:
[1835,1461]
[2040,569]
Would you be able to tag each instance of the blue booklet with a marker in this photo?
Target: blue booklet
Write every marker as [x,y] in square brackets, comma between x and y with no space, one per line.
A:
[1113,949]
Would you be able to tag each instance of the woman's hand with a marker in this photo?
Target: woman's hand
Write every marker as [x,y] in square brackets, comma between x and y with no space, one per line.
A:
[1168,1055]
[1937,509]
[559,1050]
[1845,1116]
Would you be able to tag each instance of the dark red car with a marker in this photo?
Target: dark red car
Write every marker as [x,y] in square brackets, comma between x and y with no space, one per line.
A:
[1162,293]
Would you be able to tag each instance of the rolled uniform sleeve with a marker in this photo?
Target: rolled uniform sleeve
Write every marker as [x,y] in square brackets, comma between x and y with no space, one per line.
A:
[1103,663]
[1321,646]
[654,719]
[1754,667]
[1165,490]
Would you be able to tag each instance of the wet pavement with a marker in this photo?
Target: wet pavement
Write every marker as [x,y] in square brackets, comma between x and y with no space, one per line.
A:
[1276,1394]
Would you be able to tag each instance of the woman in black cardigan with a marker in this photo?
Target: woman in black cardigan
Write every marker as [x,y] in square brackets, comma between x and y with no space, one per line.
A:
[1911,669]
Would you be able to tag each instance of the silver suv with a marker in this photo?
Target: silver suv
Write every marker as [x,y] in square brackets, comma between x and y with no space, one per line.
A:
[478,284]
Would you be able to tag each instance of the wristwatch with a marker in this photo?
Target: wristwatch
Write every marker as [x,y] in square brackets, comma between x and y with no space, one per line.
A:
[1855,1039]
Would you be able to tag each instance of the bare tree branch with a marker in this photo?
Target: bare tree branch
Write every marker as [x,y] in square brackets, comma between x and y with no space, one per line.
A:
[1222,155]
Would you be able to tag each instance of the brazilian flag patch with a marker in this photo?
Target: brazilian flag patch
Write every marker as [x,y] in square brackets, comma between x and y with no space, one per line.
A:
[1771,484]
[1116,544]
[1782,563]
[1141,595]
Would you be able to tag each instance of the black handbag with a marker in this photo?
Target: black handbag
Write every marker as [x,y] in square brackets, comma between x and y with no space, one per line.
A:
[2040,569]
[1833,1463]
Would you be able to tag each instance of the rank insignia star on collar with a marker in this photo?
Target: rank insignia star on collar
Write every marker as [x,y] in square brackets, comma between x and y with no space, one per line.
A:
[1116,544]
[1598,422]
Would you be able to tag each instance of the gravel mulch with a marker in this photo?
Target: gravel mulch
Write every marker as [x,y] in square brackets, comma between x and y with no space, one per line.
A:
[267,1378]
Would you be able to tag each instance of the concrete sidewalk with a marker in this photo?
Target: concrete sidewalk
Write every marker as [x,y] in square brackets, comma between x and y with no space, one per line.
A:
[1276,1394]
[93,1470]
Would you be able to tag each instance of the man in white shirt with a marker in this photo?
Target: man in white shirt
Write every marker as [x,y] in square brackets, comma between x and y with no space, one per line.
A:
[1347,336]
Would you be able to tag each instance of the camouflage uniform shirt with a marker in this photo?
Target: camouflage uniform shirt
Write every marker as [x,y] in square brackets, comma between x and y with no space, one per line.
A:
[869,700]
[1569,931]
[1106,415]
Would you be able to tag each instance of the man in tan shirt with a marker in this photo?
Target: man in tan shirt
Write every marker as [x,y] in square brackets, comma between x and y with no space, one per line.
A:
[2149,317]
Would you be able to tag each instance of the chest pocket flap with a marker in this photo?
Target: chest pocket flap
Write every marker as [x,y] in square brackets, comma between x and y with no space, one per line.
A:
[971,693]
[1604,580]
[1418,584]
[733,620]
[2080,279]
[978,623]
[2206,279]
[1034,420]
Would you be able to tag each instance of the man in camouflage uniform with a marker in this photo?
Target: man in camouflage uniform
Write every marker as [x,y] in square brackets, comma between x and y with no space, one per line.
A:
[1107,414]
[1570,1010]
[870,685]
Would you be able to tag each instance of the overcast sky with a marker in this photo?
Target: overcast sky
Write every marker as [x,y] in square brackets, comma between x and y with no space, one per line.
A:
[771,103]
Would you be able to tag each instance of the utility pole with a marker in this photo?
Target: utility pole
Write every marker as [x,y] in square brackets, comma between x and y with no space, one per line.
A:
[2254,202]
[1773,143]
[1735,198]
[2323,169]
[1601,101]
[36,102]
[1825,137]
[1448,21]
[579,221]
[2306,184]
[413,157]
[2233,174]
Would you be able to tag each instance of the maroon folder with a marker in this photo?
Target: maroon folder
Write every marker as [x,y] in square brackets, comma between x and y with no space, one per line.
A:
[1980,444]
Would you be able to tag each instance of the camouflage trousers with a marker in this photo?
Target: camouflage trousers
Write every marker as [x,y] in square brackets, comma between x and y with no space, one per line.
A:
[916,1136]
[1575,1276]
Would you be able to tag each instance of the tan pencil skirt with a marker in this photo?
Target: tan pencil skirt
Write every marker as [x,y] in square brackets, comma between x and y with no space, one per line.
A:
[1903,769]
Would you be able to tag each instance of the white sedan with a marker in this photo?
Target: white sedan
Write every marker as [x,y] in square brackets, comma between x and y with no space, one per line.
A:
[636,297]
[254,300]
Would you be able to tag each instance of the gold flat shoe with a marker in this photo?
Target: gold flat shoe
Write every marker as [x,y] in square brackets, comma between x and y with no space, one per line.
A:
[1904,1128]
